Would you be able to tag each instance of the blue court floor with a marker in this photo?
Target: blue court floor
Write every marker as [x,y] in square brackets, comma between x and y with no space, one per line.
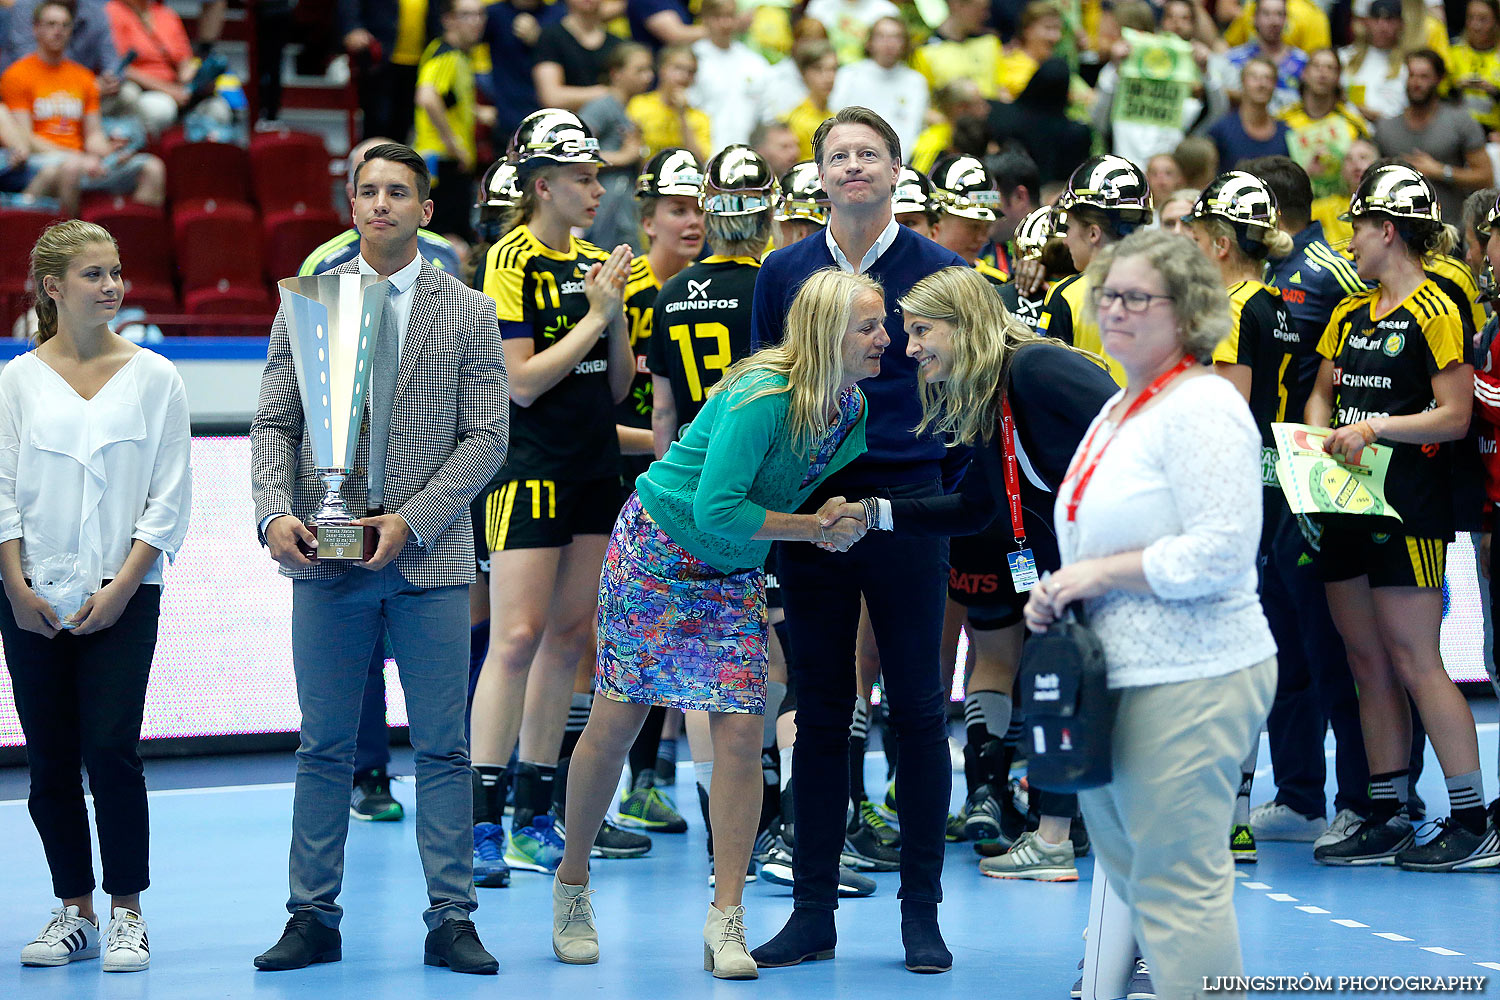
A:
[219,860]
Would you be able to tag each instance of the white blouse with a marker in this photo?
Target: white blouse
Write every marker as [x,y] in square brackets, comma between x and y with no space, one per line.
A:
[82,478]
[1181,481]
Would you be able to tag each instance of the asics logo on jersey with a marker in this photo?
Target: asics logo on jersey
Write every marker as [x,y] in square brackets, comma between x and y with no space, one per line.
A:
[698,289]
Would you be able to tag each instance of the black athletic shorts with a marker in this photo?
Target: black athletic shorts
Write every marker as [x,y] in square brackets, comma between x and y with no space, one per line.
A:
[1390,559]
[979,579]
[541,514]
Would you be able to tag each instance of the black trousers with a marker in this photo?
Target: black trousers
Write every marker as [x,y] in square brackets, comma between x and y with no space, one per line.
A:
[80,699]
[904,582]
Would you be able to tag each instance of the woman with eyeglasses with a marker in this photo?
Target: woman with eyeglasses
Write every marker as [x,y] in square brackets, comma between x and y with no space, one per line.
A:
[1158,524]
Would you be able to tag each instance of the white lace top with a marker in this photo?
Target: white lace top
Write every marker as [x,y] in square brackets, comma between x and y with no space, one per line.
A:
[1181,481]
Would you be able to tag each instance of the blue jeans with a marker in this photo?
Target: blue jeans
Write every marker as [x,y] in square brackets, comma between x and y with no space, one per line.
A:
[335,626]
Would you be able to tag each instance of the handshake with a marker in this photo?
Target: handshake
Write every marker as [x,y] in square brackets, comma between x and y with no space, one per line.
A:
[842,523]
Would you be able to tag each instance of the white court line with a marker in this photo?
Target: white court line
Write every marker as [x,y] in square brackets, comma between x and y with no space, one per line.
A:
[1313,909]
[1442,951]
[1489,965]
[1281,897]
[1391,936]
[1255,885]
[1346,922]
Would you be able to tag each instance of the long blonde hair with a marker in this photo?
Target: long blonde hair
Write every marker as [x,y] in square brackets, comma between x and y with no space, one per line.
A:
[809,356]
[985,336]
[51,257]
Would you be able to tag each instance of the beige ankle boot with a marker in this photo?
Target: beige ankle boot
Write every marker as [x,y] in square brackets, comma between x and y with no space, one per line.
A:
[574,939]
[724,951]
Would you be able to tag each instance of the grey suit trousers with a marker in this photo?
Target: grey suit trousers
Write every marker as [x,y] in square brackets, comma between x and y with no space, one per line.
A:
[335,625]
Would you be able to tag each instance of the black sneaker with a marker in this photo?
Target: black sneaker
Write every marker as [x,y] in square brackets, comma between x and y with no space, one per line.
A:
[982,813]
[371,799]
[611,842]
[870,844]
[1371,843]
[1455,848]
[777,869]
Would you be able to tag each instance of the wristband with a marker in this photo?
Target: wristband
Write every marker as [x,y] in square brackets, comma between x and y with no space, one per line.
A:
[1364,426]
[872,512]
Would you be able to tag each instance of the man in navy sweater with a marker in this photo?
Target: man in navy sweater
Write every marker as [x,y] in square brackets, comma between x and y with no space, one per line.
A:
[903,581]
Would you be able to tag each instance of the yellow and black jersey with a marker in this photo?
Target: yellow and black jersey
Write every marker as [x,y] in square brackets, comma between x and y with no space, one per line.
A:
[992,274]
[1025,308]
[1263,339]
[1455,280]
[702,322]
[1383,366]
[1069,316]
[641,289]
[568,432]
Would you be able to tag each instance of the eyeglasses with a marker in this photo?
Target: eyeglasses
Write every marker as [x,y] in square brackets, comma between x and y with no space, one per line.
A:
[1134,302]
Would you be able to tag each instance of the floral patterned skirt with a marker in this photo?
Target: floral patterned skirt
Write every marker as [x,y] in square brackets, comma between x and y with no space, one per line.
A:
[675,631]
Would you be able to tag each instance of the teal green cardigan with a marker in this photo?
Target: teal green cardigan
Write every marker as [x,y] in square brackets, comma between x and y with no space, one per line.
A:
[710,492]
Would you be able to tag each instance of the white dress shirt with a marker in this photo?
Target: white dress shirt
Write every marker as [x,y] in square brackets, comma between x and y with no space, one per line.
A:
[404,280]
[81,479]
[728,89]
[898,94]
[881,245]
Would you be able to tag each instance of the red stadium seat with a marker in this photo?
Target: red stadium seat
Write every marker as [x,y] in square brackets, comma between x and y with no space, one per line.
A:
[234,303]
[144,239]
[155,298]
[291,235]
[21,228]
[207,170]
[288,169]
[216,241]
[225,299]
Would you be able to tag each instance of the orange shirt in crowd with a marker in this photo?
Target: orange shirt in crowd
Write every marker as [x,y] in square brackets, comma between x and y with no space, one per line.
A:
[56,97]
[159,39]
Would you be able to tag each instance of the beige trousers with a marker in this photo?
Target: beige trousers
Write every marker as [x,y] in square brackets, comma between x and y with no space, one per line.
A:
[1161,827]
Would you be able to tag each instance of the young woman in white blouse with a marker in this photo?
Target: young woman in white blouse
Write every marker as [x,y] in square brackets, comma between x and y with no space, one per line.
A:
[94,488]
[1158,521]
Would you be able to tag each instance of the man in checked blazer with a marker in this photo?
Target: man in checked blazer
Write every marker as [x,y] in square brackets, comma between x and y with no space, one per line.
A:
[446,416]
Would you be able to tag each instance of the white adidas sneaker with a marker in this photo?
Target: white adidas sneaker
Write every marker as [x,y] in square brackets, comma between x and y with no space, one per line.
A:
[125,946]
[67,937]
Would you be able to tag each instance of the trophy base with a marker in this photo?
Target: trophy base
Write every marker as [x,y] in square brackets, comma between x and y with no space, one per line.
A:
[348,542]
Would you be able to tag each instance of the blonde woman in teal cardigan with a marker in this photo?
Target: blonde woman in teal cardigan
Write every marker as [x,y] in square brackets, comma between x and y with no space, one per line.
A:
[682,606]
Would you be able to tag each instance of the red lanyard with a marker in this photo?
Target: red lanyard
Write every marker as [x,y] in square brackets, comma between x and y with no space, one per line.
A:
[1012,476]
[1082,477]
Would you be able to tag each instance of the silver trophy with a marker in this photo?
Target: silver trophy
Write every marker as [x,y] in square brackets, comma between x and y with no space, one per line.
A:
[332,321]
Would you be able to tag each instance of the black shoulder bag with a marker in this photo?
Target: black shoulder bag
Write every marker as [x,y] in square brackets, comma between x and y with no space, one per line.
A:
[1068,706]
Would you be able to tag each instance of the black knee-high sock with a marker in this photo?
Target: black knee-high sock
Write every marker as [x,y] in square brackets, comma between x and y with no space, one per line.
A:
[1388,793]
[533,792]
[666,760]
[578,718]
[770,798]
[491,785]
[859,731]
[643,751]
[560,788]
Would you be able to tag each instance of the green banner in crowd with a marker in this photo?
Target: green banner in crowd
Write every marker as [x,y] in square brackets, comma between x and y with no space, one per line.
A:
[1155,79]
[1316,482]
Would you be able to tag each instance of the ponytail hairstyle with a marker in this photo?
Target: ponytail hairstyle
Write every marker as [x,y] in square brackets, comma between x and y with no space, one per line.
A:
[524,210]
[50,258]
[1275,244]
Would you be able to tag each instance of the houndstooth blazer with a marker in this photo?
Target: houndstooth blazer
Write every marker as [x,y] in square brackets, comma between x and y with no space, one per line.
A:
[450,425]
